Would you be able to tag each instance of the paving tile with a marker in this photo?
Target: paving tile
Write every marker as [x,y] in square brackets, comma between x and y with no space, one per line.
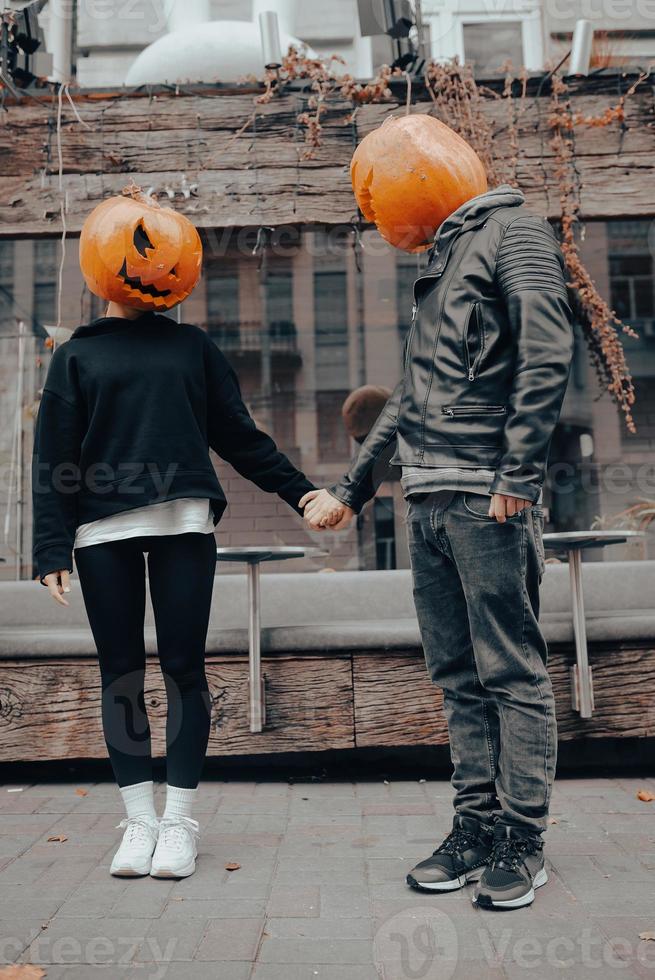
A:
[321,885]
[78,940]
[294,902]
[233,939]
[173,942]
[212,908]
[16,935]
[319,928]
[315,951]
[191,971]
[308,971]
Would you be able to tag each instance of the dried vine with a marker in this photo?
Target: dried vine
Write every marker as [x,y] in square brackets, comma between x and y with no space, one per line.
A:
[458,101]
[601,326]
[325,82]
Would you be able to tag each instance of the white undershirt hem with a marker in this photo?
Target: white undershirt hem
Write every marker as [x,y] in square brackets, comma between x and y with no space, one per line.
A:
[185,515]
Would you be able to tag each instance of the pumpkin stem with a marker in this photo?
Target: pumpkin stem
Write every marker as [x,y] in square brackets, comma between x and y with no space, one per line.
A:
[136,193]
[408,104]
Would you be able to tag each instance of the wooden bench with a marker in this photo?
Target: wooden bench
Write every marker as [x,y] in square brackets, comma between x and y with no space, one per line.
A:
[341,657]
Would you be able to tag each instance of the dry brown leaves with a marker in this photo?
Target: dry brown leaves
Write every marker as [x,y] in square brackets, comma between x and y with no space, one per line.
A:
[25,971]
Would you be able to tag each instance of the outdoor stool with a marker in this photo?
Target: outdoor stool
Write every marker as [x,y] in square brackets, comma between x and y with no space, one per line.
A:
[253,557]
[573,542]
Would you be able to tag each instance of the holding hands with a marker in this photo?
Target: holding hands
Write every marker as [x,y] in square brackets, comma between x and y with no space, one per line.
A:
[323,511]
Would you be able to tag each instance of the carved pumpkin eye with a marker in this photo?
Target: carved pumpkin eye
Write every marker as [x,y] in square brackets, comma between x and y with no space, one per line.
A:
[141,240]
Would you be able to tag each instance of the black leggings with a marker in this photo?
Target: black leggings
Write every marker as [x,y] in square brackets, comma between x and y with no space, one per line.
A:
[181,569]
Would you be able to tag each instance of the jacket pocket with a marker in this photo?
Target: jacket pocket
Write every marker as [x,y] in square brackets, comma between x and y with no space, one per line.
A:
[474,342]
[456,411]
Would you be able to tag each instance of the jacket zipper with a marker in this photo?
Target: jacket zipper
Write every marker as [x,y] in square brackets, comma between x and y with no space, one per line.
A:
[473,367]
[453,410]
[410,335]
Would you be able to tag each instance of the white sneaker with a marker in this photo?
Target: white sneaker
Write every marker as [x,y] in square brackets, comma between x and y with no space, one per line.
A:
[176,851]
[134,856]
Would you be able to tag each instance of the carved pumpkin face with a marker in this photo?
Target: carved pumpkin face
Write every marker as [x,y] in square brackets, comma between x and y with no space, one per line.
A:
[135,252]
[410,174]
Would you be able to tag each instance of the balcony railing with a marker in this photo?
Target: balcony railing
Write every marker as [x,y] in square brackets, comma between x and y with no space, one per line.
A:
[242,337]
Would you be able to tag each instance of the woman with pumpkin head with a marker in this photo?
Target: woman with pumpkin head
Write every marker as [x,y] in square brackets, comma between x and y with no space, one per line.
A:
[485,369]
[131,406]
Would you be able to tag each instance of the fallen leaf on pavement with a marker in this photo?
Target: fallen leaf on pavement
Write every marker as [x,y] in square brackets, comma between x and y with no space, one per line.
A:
[82,792]
[645,795]
[20,972]
[553,820]
[232,866]
[647,935]
[58,838]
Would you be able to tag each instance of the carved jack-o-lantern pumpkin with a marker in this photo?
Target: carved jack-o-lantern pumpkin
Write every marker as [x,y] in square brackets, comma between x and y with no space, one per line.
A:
[410,174]
[135,252]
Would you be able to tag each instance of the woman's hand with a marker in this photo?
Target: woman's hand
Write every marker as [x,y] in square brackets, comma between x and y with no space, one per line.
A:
[322,510]
[58,583]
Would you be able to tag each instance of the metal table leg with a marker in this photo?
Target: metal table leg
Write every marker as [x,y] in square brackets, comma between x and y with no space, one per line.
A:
[256,702]
[582,691]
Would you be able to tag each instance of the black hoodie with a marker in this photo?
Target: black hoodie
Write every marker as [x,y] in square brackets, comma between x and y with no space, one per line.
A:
[129,412]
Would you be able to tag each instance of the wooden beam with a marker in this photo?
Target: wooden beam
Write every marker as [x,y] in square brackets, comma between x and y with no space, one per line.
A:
[260,175]
[624,682]
[50,709]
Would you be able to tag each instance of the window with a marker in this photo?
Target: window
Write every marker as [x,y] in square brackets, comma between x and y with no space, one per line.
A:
[45,283]
[279,296]
[333,441]
[6,286]
[643,413]
[487,34]
[489,44]
[385,533]
[632,279]
[223,302]
[331,325]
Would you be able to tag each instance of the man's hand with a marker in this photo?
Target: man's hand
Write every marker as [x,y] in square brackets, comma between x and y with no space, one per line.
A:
[322,511]
[502,507]
[58,583]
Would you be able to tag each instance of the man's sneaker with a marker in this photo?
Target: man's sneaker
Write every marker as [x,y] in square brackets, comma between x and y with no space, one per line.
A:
[460,859]
[516,868]
[176,851]
[134,856]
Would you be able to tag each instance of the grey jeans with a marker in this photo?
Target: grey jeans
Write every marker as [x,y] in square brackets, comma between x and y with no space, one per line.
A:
[476,591]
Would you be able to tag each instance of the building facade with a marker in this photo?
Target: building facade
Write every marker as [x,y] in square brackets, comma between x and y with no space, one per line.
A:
[532,33]
[325,320]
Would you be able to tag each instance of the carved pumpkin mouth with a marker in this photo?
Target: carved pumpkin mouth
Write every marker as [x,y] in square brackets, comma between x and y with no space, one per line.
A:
[141,287]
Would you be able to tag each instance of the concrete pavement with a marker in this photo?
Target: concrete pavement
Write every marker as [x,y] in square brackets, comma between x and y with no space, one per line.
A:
[320,890]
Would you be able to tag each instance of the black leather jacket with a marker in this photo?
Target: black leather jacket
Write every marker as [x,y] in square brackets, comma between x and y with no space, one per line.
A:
[486,361]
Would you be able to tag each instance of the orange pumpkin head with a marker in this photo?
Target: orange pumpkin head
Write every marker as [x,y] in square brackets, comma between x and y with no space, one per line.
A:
[410,174]
[135,252]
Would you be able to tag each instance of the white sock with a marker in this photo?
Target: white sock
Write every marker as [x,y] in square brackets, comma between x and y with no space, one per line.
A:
[179,801]
[139,799]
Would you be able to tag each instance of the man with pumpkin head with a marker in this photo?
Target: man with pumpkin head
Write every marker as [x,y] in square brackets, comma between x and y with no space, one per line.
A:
[486,366]
[131,406]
